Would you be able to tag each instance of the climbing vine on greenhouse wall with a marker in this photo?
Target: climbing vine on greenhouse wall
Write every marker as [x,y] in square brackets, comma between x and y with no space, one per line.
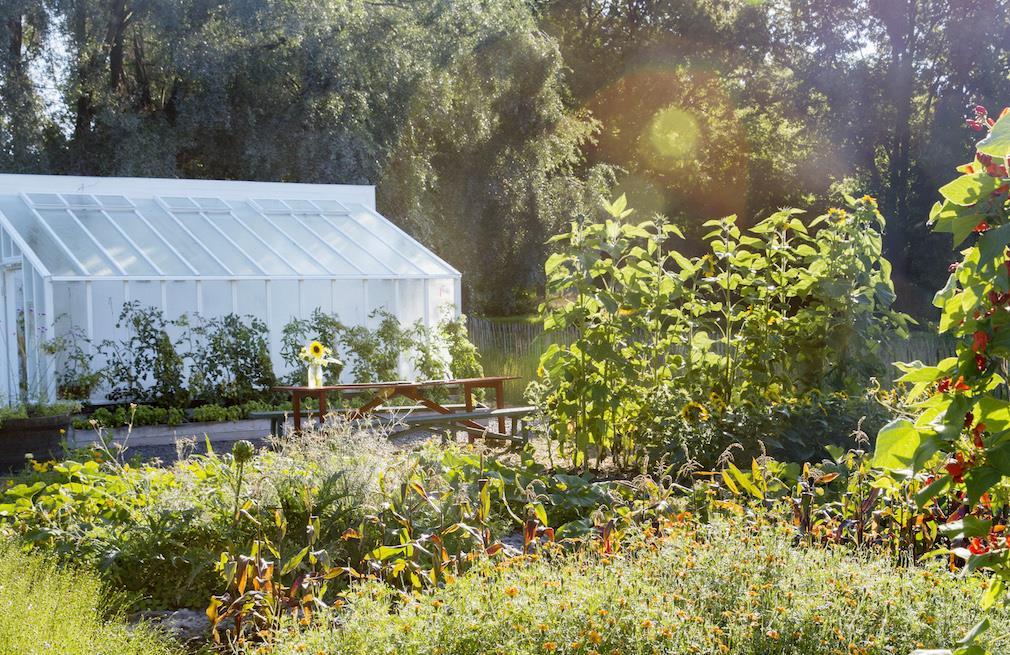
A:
[962,425]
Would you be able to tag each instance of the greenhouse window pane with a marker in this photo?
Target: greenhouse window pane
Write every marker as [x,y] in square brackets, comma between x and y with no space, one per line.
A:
[372,244]
[79,200]
[114,202]
[291,240]
[149,242]
[46,200]
[243,236]
[78,242]
[117,245]
[211,239]
[212,204]
[301,205]
[37,238]
[331,206]
[399,242]
[270,205]
[179,204]
[363,258]
[174,236]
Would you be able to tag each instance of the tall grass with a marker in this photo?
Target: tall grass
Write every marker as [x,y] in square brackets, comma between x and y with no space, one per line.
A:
[46,610]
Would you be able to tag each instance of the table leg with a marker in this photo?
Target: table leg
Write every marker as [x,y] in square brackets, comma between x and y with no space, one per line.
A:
[499,394]
[379,398]
[296,406]
[468,399]
[322,408]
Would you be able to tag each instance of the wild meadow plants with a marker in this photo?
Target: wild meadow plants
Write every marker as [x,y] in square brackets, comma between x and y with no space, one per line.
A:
[47,609]
[676,587]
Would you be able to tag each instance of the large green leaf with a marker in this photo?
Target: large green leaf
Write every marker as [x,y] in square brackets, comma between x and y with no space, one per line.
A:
[969,526]
[997,143]
[901,447]
[969,189]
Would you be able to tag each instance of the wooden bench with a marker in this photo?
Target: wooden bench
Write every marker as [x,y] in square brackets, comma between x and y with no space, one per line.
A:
[280,416]
[519,434]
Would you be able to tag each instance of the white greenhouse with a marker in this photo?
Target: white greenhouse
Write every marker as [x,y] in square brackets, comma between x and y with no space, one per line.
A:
[75,249]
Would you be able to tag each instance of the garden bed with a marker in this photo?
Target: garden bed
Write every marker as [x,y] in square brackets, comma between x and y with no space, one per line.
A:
[167,435]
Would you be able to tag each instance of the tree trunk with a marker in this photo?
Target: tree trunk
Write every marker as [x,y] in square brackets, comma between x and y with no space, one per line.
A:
[899,18]
[15,41]
[118,17]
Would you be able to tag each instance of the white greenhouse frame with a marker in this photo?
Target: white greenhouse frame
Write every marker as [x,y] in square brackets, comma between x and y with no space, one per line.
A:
[74,249]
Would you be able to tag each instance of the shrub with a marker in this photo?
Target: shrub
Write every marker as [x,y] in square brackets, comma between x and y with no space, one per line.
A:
[721,588]
[962,416]
[45,609]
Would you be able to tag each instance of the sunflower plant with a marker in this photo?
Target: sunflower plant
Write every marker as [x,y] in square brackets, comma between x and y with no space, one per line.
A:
[670,346]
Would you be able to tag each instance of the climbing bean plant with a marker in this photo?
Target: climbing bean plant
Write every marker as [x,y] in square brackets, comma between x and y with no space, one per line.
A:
[962,424]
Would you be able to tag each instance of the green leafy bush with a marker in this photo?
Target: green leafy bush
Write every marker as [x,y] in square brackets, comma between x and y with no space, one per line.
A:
[224,359]
[229,359]
[45,609]
[146,365]
[722,588]
[761,316]
[960,415]
[146,528]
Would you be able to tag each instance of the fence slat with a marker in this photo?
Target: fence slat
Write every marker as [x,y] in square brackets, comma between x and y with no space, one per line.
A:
[515,348]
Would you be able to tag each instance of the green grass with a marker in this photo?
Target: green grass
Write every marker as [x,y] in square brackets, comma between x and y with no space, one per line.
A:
[715,589]
[46,610]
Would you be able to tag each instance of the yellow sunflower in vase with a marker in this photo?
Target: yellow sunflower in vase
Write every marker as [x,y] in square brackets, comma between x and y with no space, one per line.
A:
[316,356]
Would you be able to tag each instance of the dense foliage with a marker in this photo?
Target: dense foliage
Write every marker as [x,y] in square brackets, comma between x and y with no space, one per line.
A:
[663,340]
[484,123]
[959,422]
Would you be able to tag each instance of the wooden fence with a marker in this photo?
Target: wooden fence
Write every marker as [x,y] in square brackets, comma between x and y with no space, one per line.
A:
[514,348]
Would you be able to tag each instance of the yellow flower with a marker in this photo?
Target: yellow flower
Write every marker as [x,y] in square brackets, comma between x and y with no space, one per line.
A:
[773,634]
[550,646]
[511,592]
[837,215]
[316,349]
[694,412]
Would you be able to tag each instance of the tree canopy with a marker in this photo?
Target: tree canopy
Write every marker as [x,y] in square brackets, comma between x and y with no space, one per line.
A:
[487,124]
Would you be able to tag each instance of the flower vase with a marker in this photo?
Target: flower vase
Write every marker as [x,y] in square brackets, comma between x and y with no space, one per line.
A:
[315,376]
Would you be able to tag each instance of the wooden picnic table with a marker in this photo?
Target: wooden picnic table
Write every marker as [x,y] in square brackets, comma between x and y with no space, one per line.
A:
[379,392]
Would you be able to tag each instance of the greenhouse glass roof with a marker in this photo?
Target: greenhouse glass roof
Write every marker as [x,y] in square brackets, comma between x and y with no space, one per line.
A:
[81,227]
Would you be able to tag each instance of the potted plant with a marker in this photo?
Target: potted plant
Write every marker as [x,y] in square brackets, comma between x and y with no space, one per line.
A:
[37,428]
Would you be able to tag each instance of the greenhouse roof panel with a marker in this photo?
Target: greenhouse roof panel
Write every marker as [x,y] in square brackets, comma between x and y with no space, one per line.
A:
[133,227]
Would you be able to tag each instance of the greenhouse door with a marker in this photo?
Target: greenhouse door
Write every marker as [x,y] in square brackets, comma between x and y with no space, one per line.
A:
[15,378]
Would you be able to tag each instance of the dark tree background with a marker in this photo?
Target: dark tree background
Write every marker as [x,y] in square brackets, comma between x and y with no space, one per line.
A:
[488,124]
